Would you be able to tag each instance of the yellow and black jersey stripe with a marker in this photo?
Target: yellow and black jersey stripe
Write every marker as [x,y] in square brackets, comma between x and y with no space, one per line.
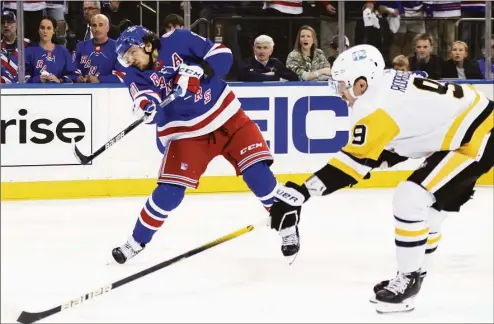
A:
[369,137]
[468,130]
[475,136]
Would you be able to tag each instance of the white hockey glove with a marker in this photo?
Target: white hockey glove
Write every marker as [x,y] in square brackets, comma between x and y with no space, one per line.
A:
[188,79]
[146,108]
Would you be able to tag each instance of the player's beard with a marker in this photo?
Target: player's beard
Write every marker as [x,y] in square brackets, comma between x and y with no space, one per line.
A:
[150,62]
[153,57]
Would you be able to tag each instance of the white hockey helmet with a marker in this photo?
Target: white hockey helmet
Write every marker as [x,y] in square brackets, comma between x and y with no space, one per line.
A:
[356,62]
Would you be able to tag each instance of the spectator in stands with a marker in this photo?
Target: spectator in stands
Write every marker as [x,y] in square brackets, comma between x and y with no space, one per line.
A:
[459,66]
[336,49]
[329,27]
[401,63]
[117,13]
[46,61]
[424,60]
[56,9]
[172,22]
[33,11]
[8,48]
[402,39]
[482,60]
[96,59]
[280,29]
[442,31]
[261,67]
[306,60]
[225,30]
[90,9]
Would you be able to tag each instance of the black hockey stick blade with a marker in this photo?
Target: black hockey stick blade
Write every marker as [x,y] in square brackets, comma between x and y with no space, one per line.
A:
[28,317]
[85,159]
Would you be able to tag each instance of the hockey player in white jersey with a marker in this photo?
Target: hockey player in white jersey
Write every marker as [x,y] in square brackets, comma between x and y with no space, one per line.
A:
[397,114]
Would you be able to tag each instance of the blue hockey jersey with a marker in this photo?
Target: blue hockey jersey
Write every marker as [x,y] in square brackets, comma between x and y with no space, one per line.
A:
[193,115]
[57,62]
[99,60]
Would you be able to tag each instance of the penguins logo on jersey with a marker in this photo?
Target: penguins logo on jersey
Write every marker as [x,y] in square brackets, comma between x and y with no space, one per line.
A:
[359,55]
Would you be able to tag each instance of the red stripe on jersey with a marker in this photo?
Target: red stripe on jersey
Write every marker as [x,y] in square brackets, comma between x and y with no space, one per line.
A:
[9,67]
[254,159]
[184,129]
[178,181]
[120,74]
[218,46]
[288,4]
[150,220]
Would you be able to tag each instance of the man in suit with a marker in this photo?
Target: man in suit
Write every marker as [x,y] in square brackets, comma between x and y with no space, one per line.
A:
[261,67]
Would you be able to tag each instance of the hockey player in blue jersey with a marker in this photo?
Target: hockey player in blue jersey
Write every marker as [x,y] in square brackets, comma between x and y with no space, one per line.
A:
[96,59]
[204,122]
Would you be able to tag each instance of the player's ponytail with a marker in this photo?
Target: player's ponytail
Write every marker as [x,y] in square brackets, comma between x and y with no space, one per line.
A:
[153,39]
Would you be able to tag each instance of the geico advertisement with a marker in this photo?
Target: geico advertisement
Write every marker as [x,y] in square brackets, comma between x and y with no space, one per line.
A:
[296,119]
[37,129]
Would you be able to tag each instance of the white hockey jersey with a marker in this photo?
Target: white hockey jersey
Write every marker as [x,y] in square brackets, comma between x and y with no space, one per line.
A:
[414,117]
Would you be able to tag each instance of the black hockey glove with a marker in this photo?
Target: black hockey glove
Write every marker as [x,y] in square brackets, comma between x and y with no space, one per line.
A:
[287,206]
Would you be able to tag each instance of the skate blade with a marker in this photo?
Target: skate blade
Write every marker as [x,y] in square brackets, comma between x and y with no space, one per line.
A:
[291,259]
[112,262]
[407,305]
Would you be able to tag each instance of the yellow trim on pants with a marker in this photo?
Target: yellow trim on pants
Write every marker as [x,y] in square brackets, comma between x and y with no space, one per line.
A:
[454,162]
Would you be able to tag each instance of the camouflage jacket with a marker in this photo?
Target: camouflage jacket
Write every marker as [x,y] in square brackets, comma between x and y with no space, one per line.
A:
[299,63]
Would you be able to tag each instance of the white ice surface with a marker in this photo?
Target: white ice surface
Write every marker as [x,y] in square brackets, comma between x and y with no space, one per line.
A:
[53,251]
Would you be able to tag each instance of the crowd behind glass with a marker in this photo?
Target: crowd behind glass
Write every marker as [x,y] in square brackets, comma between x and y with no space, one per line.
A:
[73,41]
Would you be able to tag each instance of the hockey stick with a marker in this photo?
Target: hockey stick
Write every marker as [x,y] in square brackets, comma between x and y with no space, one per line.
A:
[28,317]
[85,159]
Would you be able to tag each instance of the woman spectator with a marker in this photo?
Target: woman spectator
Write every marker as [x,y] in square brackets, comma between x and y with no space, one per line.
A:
[47,62]
[459,66]
[306,59]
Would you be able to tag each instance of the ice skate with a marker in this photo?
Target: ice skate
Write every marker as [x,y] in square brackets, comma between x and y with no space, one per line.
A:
[399,294]
[384,283]
[127,251]
[290,243]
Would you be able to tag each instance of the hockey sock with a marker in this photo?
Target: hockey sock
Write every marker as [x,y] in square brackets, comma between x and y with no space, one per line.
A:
[261,182]
[162,201]
[435,220]
[411,208]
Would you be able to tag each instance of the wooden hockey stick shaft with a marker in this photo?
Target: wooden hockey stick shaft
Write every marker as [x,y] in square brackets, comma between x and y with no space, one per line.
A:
[85,159]
[28,317]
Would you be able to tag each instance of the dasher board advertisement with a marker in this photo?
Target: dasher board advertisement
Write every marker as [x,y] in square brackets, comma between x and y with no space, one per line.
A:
[37,129]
